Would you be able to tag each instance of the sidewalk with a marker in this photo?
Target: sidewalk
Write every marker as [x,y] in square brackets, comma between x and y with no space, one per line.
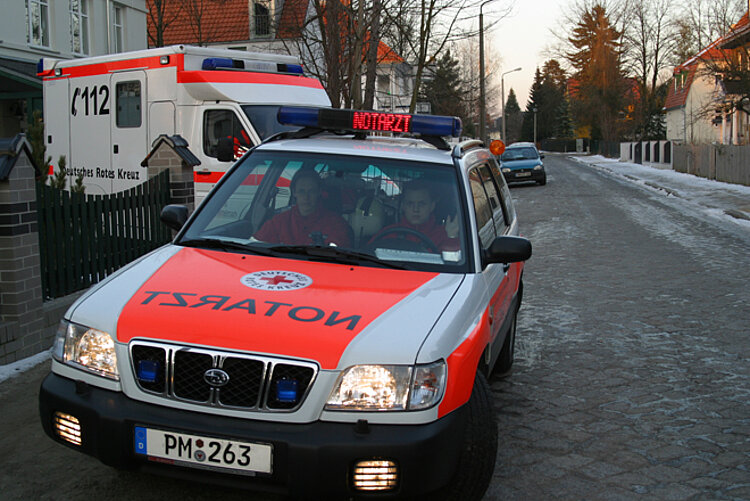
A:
[724,200]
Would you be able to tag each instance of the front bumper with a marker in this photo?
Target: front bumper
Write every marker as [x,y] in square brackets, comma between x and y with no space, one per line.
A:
[524,175]
[312,460]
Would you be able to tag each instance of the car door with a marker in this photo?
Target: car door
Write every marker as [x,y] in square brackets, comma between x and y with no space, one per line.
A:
[490,224]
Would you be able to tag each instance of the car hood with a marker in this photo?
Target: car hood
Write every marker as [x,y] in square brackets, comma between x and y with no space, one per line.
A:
[285,307]
[521,164]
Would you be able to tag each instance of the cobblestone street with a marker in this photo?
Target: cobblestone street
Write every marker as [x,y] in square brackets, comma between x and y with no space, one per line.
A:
[631,381]
[632,378]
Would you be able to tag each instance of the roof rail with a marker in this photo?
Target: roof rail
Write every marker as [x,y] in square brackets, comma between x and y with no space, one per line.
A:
[463,147]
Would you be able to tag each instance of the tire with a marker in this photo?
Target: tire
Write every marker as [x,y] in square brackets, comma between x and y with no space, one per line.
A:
[505,360]
[477,460]
[543,181]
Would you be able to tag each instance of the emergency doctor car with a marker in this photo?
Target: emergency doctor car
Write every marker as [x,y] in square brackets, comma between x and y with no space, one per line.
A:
[324,325]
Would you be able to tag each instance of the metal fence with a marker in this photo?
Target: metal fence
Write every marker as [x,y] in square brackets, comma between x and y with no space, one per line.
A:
[84,238]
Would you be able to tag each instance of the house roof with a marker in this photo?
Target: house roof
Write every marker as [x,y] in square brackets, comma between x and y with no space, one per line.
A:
[217,26]
[676,98]
[738,34]
[10,150]
[176,143]
[219,21]
[292,20]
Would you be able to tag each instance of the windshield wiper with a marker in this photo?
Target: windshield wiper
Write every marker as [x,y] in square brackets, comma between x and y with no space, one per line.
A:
[336,253]
[225,245]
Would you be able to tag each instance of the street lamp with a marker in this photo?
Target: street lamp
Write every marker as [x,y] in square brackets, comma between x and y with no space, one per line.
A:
[534,124]
[502,100]
[482,112]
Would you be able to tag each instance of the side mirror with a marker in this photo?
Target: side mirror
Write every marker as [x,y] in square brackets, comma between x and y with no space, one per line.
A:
[174,216]
[541,155]
[225,150]
[508,250]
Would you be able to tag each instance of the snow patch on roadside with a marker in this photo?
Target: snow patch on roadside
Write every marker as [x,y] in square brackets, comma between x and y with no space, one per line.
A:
[16,368]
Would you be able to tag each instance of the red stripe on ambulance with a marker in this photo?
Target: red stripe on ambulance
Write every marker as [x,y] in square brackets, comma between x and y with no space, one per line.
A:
[143,63]
[240,77]
[210,306]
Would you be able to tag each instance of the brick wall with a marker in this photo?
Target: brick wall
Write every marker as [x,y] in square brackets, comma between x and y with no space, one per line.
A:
[181,185]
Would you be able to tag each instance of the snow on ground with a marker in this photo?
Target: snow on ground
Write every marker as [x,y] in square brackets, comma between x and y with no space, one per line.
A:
[12,370]
[726,201]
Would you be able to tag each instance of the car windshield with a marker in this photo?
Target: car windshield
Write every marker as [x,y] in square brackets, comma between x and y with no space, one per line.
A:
[263,118]
[526,153]
[372,211]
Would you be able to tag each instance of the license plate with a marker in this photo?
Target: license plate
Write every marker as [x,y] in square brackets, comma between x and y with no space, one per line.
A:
[523,174]
[197,451]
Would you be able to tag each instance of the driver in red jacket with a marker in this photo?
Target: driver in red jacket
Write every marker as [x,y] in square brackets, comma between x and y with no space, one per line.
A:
[307,222]
[417,207]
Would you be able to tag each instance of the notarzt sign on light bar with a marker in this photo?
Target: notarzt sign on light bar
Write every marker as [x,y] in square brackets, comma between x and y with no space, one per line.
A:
[389,122]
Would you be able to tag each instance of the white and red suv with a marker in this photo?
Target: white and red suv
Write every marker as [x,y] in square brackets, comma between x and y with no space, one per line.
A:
[323,325]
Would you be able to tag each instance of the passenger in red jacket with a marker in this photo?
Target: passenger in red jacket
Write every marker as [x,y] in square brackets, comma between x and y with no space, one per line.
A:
[307,222]
[417,207]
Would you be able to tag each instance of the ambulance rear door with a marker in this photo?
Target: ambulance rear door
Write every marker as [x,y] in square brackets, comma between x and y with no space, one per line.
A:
[129,129]
[89,107]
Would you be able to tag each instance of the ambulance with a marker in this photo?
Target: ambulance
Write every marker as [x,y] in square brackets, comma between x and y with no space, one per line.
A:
[325,325]
[104,113]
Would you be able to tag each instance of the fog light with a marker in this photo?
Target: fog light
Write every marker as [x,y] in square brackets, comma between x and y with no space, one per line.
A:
[375,475]
[68,428]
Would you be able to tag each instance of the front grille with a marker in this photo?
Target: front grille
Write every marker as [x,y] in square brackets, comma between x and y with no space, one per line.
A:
[247,382]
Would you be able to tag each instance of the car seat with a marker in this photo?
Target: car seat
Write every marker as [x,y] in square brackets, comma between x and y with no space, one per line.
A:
[367,219]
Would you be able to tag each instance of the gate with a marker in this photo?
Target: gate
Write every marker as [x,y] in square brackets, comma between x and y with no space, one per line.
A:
[84,238]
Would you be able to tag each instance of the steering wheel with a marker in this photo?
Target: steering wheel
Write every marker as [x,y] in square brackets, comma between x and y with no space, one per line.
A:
[423,239]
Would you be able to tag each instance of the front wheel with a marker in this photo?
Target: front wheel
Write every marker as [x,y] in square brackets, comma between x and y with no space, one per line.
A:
[477,460]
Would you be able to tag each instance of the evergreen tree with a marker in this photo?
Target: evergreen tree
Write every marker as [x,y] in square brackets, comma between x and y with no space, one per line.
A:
[60,179]
[444,92]
[534,102]
[514,118]
[564,123]
[511,105]
[38,148]
[598,100]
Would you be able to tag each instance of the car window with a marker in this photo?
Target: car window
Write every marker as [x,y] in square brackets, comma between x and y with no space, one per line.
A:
[508,208]
[482,208]
[224,124]
[495,199]
[396,211]
[522,153]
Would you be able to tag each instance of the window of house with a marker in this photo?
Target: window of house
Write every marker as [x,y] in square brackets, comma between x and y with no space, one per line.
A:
[79,26]
[128,102]
[262,15]
[37,21]
[118,29]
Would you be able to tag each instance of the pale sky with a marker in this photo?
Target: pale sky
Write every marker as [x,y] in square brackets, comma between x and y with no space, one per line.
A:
[521,39]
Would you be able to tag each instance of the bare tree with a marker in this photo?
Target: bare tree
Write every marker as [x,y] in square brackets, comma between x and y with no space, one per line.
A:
[201,26]
[706,20]
[650,38]
[161,13]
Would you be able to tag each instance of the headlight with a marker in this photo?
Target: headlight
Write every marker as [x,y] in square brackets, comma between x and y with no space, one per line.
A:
[505,170]
[86,348]
[537,167]
[388,387]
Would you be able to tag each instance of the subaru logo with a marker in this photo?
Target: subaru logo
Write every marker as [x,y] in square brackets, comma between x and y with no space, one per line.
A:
[216,377]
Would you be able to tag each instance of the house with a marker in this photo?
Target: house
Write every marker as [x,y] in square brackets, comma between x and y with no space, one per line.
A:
[274,26]
[61,29]
[696,104]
